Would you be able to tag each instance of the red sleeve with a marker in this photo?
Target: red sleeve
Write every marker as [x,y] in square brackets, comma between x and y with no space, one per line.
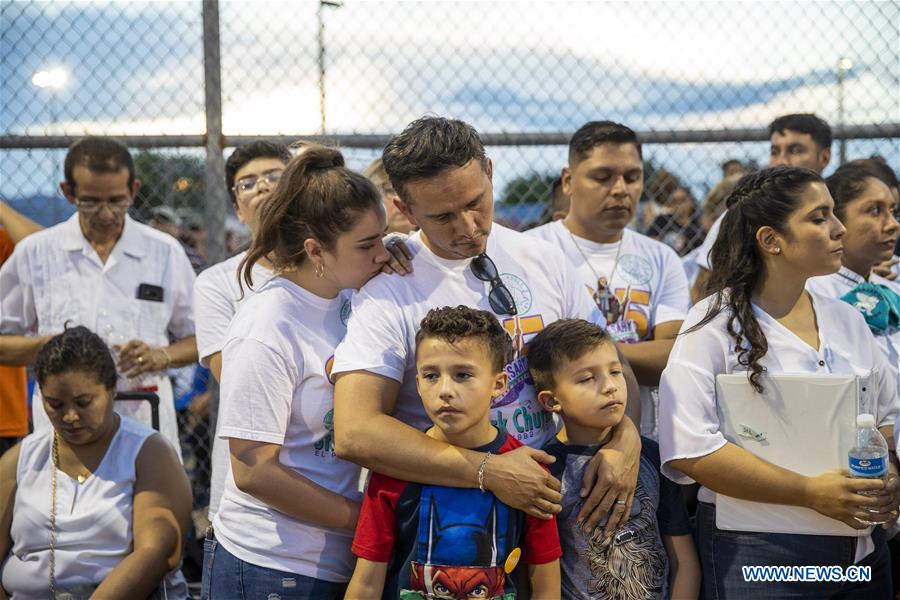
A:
[540,542]
[376,528]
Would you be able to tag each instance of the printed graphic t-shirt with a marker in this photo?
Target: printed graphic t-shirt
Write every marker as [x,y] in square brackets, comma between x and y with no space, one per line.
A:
[276,390]
[452,541]
[632,564]
[647,280]
[387,312]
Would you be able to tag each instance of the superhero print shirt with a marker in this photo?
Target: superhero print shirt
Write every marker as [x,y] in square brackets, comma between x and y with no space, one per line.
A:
[453,543]
[632,563]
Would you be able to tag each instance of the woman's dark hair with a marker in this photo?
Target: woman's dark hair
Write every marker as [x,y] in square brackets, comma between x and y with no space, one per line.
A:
[762,199]
[846,185]
[76,350]
[316,197]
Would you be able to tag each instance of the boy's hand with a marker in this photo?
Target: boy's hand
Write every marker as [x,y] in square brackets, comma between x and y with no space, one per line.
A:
[610,479]
[518,480]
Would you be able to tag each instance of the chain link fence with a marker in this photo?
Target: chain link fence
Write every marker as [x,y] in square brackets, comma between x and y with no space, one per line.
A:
[700,81]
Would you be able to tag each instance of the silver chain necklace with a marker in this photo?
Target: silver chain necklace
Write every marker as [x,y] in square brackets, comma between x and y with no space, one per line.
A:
[605,299]
[590,266]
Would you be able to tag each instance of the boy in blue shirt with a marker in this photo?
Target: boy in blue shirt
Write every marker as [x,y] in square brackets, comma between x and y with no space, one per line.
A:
[417,541]
[578,376]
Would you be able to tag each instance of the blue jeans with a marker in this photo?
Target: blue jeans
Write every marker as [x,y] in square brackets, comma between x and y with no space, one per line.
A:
[723,553]
[226,577]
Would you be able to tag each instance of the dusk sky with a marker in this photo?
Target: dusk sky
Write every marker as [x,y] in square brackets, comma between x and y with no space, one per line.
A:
[137,68]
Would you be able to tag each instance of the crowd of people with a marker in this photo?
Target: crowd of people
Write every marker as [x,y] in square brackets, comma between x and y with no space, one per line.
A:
[458,409]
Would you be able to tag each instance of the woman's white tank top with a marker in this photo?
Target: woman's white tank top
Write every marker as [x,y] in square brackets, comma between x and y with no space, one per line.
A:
[93,519]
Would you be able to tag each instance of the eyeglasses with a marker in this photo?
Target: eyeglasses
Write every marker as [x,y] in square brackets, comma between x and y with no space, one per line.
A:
[248,185]
[500,297]
[116,205]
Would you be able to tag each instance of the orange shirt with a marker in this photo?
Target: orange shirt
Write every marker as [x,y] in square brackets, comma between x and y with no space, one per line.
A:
[13,386]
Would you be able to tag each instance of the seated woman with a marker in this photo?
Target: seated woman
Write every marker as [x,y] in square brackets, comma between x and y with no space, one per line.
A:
[98,505]
[779,231]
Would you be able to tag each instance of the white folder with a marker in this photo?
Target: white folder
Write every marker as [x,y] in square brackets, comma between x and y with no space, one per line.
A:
[803,423]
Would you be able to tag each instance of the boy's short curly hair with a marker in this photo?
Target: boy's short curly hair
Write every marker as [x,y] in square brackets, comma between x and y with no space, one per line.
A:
[462,322]
[563,340]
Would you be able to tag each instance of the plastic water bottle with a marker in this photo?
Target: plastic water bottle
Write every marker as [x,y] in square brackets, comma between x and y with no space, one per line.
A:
[869,457]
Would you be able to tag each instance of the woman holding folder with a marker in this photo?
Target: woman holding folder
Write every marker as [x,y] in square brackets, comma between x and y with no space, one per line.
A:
[779,231]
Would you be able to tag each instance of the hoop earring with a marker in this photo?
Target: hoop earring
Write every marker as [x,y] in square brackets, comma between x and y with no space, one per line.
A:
[320,270]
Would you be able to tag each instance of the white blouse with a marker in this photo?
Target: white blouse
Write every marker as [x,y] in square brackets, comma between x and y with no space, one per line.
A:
[689,425]
[839,284]
[94,519]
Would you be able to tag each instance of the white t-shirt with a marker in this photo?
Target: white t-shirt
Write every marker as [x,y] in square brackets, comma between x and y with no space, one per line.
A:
[217,296]
[647,273]
[387,312]
[276,389]
[689,424]
[55,277]
[710,239]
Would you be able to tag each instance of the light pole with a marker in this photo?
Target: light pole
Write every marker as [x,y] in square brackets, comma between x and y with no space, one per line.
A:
[321,40]
[844,65]
[52,80]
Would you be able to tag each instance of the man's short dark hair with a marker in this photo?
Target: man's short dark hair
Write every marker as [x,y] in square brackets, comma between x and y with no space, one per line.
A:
[427,147]
[562,340]
[592,134]
[454,324]
[99,155]
[807,123]
[244,154]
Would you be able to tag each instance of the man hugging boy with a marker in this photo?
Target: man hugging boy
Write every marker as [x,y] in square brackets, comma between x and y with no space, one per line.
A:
[424,541]
[578,376]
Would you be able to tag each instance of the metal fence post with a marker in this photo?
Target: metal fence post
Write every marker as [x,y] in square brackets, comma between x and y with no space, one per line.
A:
[216,203]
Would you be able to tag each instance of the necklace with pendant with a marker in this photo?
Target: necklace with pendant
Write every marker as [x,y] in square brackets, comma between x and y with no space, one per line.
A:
[604,297]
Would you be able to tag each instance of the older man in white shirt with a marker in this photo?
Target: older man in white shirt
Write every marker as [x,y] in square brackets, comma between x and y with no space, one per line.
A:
[129,283]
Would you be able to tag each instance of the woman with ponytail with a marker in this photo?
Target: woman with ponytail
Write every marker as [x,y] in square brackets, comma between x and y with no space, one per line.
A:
[287,515]
[780,230]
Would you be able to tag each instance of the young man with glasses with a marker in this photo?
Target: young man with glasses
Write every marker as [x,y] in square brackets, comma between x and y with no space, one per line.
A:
[443,177]
[126,281]
[637,282]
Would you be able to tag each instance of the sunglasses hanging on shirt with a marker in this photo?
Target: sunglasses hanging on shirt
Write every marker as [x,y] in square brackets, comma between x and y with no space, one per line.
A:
[500,298]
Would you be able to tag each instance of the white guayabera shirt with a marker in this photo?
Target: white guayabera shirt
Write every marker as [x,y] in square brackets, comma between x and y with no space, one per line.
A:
[55,277]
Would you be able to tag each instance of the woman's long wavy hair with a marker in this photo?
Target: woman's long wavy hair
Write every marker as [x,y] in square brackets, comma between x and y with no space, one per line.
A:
[762,199]
[317,197]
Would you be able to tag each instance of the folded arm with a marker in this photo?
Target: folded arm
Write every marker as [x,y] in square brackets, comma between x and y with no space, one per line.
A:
[161,518]
[258,472]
